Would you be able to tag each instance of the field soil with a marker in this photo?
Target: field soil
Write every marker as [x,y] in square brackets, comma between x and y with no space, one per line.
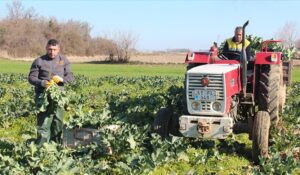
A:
[296,62]
[139,57]
[153,58]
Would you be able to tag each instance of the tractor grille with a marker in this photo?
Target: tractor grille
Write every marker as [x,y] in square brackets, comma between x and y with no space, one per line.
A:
[215,83]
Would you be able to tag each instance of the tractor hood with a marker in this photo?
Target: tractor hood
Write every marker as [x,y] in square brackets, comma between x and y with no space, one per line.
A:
[209,84]
[213,69]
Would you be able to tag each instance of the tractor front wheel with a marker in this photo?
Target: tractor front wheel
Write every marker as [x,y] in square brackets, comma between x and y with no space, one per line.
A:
[260,135]
[162,122]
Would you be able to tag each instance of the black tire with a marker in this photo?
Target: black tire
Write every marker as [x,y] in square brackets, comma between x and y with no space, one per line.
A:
[162,122]
[260,135]
[174,126]
[268,90]
[250,126]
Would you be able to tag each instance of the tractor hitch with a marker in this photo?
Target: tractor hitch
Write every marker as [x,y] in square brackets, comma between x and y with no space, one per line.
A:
[203,127]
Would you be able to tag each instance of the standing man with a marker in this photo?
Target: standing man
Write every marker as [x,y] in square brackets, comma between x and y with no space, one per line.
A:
[233,46]
[48,68]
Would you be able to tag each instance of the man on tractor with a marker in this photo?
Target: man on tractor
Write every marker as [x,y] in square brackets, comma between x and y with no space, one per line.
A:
[233,46]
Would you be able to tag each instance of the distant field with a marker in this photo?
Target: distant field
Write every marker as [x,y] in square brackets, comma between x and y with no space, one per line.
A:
[95,70]
[155,58]
[296,74]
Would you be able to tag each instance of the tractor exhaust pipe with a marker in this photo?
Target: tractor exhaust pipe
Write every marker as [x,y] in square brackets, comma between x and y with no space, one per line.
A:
[244,61]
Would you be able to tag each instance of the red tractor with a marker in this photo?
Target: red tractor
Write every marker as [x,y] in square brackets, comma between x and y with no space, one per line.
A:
[223,96]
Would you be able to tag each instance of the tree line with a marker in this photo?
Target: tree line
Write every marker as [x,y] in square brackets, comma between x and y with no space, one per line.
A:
[23,33]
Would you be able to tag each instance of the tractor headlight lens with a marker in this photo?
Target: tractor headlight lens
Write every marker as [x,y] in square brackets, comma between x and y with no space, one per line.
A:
[274,57]
[217,106]
[196,105]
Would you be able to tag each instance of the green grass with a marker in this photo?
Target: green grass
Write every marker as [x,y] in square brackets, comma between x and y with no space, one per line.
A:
[296,74]
[8,66]
[18,131]
[95,70]
[227,160]
[222,164]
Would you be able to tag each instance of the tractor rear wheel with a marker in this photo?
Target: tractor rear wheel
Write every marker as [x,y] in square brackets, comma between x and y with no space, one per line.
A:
[282,91]
[162,122]
[268,92]
[260,135]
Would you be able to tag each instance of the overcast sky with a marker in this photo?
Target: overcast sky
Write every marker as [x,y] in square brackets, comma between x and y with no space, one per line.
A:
[168,24]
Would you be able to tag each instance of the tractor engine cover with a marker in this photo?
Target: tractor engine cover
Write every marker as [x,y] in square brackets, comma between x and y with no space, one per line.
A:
[209,91]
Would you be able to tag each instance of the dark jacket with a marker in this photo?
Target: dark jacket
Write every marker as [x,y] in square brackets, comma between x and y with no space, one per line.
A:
[44,68]
[232,46]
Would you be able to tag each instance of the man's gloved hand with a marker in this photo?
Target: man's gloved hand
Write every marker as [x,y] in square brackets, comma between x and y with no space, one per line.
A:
[57,79]
[47,84]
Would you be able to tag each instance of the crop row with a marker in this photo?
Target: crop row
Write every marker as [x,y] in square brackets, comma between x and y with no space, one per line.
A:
[130,103]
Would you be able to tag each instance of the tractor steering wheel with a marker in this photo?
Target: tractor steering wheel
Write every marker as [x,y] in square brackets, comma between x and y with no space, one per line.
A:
[231,53]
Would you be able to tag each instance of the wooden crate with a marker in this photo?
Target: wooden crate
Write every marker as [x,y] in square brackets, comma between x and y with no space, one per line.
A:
[80,136]
[287,72]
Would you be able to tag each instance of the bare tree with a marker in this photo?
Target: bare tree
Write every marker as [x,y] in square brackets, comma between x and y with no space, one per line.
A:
[125,45]
[289,33]
[22,33]
[17,11]
[51,29]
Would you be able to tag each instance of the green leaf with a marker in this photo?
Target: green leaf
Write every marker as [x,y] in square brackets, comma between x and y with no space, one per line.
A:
[131,141]
[33,149]
[183,156]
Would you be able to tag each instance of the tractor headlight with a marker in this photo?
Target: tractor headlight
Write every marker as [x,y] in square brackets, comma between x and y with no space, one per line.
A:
[217,106]
[196,105]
